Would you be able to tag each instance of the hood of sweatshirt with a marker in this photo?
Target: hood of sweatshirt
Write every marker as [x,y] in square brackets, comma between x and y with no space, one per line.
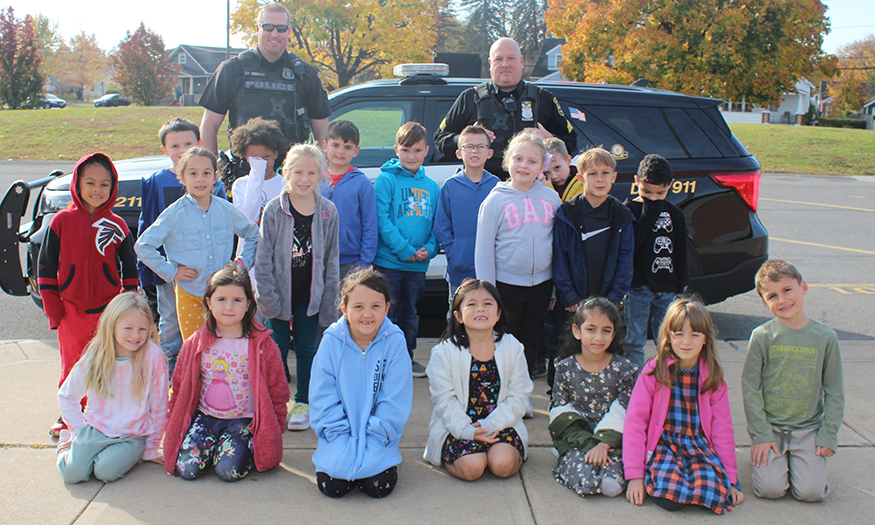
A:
[77,203]
[394,166]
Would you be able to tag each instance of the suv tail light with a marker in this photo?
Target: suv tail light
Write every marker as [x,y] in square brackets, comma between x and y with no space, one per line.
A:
[746,183]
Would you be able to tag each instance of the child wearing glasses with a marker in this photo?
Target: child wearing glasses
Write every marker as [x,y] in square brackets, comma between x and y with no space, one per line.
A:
[455,224]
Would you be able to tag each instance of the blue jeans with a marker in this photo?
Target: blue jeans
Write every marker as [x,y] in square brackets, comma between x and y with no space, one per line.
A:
[304,329]
[168,326]
[641,304]
[406,289]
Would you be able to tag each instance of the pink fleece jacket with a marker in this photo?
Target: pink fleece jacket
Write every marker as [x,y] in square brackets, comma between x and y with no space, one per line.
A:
[646,415]
[269,387]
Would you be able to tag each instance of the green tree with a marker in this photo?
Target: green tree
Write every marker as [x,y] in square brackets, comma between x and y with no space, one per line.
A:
[527,26]
[732,49]
[142,67]
[346,40]
[20,79]
[486,20]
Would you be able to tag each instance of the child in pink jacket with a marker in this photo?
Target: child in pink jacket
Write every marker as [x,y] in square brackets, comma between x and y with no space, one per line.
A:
[678,442]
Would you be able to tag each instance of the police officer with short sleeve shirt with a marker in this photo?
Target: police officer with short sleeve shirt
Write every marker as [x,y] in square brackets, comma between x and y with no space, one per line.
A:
[267,82]
[504,106]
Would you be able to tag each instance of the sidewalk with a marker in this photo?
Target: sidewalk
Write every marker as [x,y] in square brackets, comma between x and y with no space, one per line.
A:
[31,490]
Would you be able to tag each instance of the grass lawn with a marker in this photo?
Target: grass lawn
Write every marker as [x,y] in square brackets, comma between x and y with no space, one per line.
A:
[804,149]
[69,133]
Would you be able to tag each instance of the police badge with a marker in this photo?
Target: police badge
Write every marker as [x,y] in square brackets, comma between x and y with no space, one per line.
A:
[288,74]
[527,110]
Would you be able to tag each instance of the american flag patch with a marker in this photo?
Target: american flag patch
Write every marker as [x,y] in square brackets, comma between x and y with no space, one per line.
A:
[576,113]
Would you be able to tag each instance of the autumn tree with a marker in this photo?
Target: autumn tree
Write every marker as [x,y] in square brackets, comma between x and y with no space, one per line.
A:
[20,79]
[450,35]
[82,63]
[348,39]
[732,49]
[856,84]
[142,67]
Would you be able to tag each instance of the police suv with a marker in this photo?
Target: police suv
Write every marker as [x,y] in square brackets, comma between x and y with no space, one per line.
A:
[716,179]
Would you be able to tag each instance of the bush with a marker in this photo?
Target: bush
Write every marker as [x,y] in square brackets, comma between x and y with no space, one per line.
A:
[840,123]
[810,115]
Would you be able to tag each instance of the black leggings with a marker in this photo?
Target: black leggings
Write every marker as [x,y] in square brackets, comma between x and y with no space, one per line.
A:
[526,311]
[378,486]
[668,504]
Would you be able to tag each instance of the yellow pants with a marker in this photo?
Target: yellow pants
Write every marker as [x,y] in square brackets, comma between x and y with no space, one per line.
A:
[189,311]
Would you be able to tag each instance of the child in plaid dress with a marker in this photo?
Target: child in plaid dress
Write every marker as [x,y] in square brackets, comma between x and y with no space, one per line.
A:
[591,392]
[678,442]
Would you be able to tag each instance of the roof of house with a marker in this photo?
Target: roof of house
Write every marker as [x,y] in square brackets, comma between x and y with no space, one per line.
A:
[202,60]
[869,102]
[540,68]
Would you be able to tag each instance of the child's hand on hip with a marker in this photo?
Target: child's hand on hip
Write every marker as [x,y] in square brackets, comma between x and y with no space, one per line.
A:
[184,273]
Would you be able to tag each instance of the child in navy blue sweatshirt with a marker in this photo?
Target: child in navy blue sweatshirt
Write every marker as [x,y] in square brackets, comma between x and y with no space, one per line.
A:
[455,225]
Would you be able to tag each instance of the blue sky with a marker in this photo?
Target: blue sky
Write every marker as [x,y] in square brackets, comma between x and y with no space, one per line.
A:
[196,23]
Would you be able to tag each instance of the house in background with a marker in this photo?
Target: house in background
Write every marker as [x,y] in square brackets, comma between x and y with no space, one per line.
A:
[547,64]
[197,64]
[869,107]
[794,105]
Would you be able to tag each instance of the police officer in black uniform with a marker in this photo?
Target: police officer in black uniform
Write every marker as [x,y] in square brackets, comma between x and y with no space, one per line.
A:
[267,82]
[504,106]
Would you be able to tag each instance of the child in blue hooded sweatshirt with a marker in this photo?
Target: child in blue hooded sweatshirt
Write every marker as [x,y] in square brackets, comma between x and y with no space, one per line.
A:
[406,203]
[361,392]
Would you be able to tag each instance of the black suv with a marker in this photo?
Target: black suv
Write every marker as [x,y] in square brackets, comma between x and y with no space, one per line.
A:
[716,179]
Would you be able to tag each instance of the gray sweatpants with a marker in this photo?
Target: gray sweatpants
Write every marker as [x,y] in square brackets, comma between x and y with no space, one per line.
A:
[797,468]
[93,452]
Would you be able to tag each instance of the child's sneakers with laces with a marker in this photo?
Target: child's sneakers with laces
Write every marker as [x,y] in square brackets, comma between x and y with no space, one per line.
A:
[300,418]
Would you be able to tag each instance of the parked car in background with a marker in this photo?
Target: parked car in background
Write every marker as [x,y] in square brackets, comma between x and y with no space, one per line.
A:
[107,101]
[52,101]
[716,179]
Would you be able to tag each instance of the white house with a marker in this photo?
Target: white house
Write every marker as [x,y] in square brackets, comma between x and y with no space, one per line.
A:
[790,111]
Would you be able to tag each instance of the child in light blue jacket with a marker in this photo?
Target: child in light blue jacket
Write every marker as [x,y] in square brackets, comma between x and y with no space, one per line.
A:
[361,392]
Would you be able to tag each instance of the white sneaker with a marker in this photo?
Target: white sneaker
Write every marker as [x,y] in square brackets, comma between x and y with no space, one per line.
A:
[530,411]
[300,418]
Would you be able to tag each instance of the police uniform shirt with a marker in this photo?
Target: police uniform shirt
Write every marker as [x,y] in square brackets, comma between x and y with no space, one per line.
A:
[464,113]
[228,80]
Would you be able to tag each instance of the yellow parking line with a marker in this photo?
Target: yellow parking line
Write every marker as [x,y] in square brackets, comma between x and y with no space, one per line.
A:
[823,245]
[819,204]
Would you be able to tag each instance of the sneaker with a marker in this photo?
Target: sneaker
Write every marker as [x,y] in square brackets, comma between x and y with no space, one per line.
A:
[55,430]
[418,370]
[300,418]
[530,411]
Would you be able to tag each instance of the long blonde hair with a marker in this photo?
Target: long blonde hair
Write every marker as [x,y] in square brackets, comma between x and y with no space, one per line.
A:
[679,312]
[99,355]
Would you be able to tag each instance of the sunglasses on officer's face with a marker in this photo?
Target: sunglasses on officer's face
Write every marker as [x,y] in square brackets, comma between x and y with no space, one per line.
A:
[270,27]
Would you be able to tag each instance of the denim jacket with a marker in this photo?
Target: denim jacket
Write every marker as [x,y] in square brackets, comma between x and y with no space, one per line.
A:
[196,238]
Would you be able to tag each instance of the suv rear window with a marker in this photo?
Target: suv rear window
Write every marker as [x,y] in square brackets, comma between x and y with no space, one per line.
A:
[667,131]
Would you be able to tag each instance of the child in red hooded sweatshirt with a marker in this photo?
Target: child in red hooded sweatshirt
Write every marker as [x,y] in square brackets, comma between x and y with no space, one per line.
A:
[86,259]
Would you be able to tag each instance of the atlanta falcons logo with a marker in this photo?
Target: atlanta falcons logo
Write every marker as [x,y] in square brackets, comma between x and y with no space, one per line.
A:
[108,232]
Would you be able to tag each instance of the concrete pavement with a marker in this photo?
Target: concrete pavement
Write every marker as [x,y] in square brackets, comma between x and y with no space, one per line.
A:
[31,490]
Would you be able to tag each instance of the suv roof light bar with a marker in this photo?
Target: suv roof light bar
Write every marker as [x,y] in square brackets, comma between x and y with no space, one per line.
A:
[407,70]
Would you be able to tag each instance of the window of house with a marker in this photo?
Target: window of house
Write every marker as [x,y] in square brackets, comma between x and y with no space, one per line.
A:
[181,58]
